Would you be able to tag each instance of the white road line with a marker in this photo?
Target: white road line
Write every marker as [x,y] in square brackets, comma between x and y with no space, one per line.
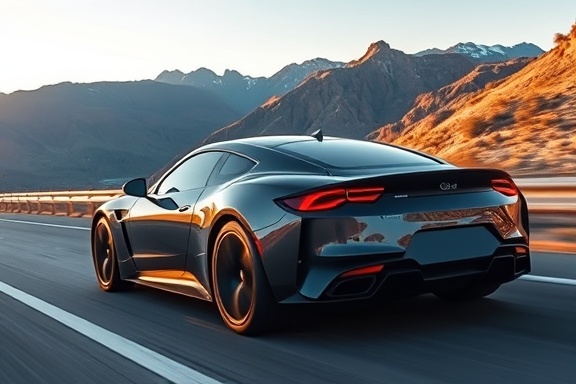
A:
[155,362]
[44,224]
[546,279]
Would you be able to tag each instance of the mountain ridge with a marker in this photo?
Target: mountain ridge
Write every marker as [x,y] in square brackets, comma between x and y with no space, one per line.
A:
[353,100]
[486,53]
[245,93]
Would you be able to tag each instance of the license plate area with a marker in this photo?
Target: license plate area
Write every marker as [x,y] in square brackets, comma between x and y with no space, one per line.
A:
[445,245]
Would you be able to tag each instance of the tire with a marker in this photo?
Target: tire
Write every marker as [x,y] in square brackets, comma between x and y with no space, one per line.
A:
[239,284]
[469,292]
[104,258]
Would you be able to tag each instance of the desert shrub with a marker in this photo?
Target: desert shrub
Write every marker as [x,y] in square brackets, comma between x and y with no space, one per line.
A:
[566,126]
[502,119]
[475,126]
[560,38]
[498,138]
[442,115]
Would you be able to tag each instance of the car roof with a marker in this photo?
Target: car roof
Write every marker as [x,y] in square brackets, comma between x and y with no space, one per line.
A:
[333,154]
[268,141]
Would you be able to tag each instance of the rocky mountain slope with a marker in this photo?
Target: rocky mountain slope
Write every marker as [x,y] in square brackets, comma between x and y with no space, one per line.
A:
[245,93]
[488,54]
[78,135]
[352,101]
[429,109]
[525,123]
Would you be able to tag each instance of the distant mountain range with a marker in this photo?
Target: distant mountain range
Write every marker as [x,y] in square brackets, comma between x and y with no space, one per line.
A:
[354,100]
[245,93]
[488,54]
[90,135]
[76,136]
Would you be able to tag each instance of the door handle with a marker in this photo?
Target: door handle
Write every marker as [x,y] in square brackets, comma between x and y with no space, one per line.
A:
[184,208]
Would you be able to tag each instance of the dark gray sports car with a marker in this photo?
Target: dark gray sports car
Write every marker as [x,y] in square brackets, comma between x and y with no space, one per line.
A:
[257,222]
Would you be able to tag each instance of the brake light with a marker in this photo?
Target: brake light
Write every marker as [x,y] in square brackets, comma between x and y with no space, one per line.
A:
[332,198]
[505,187]
[364,195]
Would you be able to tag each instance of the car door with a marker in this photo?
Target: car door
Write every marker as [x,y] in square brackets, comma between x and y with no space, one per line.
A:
[159,225]
[230,167]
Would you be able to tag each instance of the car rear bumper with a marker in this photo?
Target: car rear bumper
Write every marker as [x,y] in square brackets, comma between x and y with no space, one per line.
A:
[405,277]
[322,258]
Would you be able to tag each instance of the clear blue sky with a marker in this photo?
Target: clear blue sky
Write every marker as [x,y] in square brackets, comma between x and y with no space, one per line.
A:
[50,41]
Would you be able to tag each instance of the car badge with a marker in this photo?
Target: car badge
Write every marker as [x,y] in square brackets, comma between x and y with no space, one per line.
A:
[447,186]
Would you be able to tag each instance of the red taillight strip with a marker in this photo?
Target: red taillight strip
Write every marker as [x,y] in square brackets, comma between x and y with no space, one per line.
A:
[332,198]
[318,201]
[372,270]
[364,195]
[505,187]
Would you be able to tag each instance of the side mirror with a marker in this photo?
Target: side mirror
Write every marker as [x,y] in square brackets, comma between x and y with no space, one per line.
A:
[136,187]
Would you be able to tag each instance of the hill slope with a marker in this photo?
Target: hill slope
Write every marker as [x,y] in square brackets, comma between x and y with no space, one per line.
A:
[76,135]
[526,123]
[429,109]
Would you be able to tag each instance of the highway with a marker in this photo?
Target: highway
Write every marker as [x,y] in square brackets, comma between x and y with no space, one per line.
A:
[525,332]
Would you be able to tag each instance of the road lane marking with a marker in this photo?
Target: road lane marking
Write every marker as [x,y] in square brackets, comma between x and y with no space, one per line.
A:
[547,279]
[44,224]
[161,365]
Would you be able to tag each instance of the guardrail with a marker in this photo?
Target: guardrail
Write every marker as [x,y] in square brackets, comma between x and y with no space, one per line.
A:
[549,195]
[64,203]
[544,195]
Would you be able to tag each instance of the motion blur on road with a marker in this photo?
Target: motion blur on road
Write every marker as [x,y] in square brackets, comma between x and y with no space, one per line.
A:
[525,332]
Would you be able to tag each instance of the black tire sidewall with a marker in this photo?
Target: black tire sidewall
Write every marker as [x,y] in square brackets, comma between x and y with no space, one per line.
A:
[258,319]
[115,283]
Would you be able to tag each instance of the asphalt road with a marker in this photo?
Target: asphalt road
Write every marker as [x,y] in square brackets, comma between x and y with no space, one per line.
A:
[525,332]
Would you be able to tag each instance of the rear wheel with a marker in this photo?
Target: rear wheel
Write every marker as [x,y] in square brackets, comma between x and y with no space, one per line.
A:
[104,257]
[240,287]
[468,292]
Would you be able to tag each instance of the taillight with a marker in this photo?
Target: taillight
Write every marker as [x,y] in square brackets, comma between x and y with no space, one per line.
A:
[505,187]
[332,198]
[364,195]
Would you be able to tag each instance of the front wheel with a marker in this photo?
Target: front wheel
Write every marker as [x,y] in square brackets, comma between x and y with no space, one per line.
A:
[241,290]
[104,257]
[468,292]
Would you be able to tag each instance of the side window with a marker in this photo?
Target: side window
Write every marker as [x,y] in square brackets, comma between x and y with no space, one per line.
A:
[233,167]
[191,174]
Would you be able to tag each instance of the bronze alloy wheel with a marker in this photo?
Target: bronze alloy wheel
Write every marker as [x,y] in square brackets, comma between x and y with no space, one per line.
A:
[241,290]
[104,256]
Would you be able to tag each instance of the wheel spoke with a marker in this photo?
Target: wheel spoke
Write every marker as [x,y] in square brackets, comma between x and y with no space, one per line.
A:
[241,301]
[106,270]
[102,235]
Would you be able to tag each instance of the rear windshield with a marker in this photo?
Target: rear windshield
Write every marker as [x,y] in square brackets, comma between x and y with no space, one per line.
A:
[353,154]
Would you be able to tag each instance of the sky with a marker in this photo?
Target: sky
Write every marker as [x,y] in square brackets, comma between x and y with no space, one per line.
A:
[51,41]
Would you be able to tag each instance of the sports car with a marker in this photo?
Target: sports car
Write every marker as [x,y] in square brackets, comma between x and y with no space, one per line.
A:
[259,223]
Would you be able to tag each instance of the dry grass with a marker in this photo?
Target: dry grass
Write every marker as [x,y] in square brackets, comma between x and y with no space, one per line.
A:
[525,124]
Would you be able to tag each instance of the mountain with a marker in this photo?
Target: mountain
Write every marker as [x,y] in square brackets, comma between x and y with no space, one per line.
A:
[245,93]
[488,54]
[353,100]
[429,109]
[525,123]
[93,135]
